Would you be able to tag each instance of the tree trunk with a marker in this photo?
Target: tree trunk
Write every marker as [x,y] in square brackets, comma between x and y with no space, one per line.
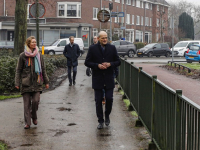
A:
[20,26]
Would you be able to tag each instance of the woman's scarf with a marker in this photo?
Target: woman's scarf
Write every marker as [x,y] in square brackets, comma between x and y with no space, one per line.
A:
[37,62]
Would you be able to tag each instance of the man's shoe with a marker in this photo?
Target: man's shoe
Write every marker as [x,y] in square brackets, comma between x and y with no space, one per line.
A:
[100,126]
[70,84]
[35,121]
[74,82]
[26,127]
[107,121]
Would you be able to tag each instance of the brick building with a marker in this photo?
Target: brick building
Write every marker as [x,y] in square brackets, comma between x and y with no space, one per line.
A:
[146,20]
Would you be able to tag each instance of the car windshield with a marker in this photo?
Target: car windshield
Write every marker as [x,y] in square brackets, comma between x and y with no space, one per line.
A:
[181,44]
[194,48]
[54,43]
[149,45]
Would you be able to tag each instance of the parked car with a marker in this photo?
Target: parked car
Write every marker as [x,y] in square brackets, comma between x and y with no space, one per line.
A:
[193,54]
[57,47]
[7,44]
[125,48]
[154,49]
[181,47]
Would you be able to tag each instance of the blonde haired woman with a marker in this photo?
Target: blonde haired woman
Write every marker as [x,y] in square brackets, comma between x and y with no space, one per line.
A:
[30,77]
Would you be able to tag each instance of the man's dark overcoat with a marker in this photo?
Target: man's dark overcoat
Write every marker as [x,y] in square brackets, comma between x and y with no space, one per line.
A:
[95,56]
[72,54]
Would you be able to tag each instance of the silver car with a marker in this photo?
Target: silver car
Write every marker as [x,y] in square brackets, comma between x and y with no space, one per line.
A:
[125,48]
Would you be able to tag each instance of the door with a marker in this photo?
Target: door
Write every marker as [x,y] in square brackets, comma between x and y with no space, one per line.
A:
[123,47]
[10,36]
[60,47]
[157,50]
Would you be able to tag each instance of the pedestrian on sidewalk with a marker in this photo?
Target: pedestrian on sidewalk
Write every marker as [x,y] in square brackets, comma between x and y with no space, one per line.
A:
[30,77]
[103,59]
[95,40]
[72,52]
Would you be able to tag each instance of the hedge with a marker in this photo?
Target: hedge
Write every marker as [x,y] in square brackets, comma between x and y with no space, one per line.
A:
[139,45]
[8,67]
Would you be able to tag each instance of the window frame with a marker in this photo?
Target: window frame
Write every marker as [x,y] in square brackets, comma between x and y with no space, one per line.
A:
[133,19]
[95,8]
[138,20]
[78,9]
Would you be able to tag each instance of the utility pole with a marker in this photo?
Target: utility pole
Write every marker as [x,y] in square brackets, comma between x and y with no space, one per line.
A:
[110,8]
[172,38]
[37,24]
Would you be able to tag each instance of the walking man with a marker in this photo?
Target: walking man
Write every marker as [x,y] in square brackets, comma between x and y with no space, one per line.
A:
[95,40]
[103,59]
[72,52]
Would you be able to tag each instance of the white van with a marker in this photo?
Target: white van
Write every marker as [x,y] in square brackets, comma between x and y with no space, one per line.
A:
[181,47]
[57,47]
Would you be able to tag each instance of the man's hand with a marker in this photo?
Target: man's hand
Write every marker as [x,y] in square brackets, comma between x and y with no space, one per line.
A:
[106,64]
[102,66]
[17,87]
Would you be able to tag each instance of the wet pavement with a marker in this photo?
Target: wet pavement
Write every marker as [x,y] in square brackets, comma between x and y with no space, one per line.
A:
[190,87]
[67,121]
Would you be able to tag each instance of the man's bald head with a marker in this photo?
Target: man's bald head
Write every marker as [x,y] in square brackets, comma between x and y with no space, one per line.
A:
[103,38]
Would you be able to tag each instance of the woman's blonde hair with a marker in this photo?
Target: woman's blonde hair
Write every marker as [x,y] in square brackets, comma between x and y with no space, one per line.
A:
[28,40]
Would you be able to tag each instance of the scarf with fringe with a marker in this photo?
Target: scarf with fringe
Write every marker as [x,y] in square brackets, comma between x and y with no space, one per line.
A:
[36,55]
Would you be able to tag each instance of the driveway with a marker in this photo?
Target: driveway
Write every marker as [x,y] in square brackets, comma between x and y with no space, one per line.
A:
[67,121]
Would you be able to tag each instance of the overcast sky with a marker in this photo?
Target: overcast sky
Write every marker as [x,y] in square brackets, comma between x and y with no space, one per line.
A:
[190,1]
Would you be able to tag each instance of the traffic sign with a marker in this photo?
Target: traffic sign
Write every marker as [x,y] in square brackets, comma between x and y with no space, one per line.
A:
[117,14]
[103,16]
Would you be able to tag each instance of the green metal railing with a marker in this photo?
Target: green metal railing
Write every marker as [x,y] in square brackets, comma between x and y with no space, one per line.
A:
[171,119]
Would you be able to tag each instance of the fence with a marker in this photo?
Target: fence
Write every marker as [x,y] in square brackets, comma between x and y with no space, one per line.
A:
[172,120]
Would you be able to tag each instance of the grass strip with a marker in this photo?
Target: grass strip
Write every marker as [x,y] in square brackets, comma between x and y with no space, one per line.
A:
[3,97]
[3,146]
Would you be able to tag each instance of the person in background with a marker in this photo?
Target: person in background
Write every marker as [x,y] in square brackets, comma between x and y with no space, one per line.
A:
[72,52]
[103,58]
[95,40]
[29,78]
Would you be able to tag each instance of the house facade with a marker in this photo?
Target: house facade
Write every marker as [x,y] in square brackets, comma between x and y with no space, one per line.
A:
[143,21]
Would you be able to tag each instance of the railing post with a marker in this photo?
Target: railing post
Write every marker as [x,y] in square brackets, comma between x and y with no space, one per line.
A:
[177,132]
[130,108]
[152,145]
[138,122]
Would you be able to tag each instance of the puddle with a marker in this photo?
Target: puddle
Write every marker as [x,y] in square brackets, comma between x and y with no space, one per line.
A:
[64,109]
[60,132]
[26,145]
[71,124]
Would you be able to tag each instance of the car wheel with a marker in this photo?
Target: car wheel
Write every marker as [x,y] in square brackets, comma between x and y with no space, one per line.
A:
[167,54]
[150,54]
[51,52]
[131,53]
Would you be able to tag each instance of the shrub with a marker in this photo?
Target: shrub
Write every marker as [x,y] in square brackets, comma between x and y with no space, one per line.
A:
[8,67]
[139,45]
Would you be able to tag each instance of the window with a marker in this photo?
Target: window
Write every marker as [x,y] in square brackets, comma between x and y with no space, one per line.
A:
[133,2]
[133,18]
[157,22]
[163,9]
[147,5]
[116,43]
[118,1]
[157,45]
[139,36]
[128,19]
[150,6]
[95,11]
[69,9]
[128,2]
[137,3]
[142,4]
[150,23]
[138,20]
[63,43]
[95,32]
[28,14]
[122,1]
[123,43]
[116,19]
[157,7]
[157,36]
[146,21]
[141,20]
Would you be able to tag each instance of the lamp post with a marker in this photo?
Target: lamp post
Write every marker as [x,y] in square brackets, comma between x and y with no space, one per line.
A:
[37,24]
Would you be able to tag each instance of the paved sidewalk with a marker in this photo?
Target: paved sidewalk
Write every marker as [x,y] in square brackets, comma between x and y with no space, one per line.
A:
[67,121]
[190,87]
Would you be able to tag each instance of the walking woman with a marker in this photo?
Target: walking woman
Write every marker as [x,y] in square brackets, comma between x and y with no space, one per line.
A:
[30,77]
